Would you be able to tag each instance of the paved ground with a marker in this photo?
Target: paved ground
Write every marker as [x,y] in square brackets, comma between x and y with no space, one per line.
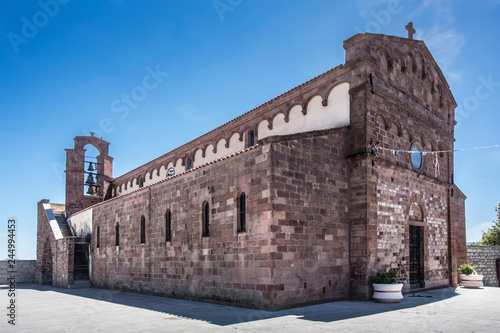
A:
[49,309]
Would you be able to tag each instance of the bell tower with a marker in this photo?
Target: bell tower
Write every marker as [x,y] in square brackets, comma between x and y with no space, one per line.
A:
[96,175]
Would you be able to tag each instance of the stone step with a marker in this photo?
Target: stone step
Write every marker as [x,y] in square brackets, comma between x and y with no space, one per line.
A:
[63,225]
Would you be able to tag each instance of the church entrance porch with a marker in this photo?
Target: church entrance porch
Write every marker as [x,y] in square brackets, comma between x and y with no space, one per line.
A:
[416,257]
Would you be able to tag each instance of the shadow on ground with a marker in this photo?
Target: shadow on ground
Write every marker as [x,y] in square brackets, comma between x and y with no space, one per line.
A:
[224,315]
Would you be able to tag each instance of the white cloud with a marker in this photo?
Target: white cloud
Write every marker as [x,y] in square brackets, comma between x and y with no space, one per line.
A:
[494,3]
[443,9]
[188,112]
[443,40]
[445,46]
[365,6]
[475,232]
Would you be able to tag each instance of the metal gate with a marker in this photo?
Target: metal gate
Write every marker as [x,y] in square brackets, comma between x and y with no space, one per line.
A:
[416,257]
[81,262]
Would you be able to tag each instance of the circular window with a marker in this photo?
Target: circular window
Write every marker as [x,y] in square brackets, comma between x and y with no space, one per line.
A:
[416,157]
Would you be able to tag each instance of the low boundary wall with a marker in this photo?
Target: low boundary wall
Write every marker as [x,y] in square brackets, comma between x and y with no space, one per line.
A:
[484,257]
[25,271]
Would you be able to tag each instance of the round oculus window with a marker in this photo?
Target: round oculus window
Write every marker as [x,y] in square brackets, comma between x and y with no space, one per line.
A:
[416,157]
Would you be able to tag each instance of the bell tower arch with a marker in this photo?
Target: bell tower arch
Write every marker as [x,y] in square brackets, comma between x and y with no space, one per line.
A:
[80,172]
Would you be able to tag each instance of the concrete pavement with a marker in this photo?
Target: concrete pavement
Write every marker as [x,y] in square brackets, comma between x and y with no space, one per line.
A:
[50,309]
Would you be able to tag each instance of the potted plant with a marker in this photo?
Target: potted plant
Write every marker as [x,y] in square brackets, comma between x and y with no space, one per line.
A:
[385,287]
[469,278]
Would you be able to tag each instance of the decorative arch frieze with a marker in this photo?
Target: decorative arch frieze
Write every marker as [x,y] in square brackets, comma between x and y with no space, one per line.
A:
[412,62]
[285,110]
[421,64]
[241,137]
[399,130]
[419,138]
[409,133]
[228,139]
[382,121]
[270,122]
[216,146]
[195,154]
[440,95]
[234,140]
[303,105]
[400,60]
[385,59]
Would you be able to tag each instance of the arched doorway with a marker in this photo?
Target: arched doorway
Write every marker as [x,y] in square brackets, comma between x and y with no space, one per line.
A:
[416,246]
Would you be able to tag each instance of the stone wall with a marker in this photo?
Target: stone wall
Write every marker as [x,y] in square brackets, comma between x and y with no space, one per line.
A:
[295,250]
[405,104]
[399,190]
[227,266]
[484,257]
[311,223]
[25,271]
[45,247]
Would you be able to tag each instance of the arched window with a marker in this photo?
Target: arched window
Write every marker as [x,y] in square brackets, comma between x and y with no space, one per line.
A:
[190,163]
[242,212]
[251,138]
[117,234]
[143,230]
[205,218]
[98,236]
[168,226]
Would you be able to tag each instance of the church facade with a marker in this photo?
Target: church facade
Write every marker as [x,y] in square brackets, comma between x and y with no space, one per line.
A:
[298,201]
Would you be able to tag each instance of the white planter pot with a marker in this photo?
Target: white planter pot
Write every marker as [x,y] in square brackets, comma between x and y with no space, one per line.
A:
[387,293]
[471,281]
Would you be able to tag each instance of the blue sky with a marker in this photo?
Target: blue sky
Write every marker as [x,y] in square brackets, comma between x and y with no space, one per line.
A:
[65,67]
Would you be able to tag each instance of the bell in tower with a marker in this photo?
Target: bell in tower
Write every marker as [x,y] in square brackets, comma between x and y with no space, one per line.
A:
[87,182]
[90,191]
[90,180]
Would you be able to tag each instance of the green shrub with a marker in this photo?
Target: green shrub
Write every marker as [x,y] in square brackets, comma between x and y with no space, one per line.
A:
[385,278]
[466,269]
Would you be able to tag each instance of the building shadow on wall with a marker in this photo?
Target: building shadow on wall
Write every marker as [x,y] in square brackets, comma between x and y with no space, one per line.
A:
[224,315]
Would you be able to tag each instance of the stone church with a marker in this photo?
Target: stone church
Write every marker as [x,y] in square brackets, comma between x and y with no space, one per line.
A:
[298,201]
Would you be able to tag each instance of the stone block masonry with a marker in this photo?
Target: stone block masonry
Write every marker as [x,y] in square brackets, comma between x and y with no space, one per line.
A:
[225,267]
[323,212]
[25,271]
[484,257]
[295,250]
[310,220]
